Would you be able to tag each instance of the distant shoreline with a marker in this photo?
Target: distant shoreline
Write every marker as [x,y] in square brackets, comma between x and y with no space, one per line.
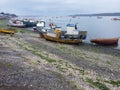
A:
[98,14]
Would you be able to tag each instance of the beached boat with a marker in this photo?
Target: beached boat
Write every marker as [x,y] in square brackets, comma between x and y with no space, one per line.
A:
[8,31]
[30,22]
[16,23]
[105,41]
[72,35]
[39,25]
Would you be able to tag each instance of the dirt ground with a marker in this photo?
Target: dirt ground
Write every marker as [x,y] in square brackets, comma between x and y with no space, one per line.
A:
[28,62]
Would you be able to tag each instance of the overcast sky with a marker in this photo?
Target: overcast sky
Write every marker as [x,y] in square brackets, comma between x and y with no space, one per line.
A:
[58,7]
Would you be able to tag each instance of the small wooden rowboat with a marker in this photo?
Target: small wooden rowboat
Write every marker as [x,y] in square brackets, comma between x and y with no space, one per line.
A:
[105,41]
[8,31]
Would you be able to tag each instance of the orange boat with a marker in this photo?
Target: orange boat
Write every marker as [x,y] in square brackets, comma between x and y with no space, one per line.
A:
[105,41]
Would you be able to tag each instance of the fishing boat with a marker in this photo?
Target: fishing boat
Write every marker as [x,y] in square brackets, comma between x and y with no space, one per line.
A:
[40,28]
[105,41]
[16,23]
[8,31]
[71,35]
[29,22]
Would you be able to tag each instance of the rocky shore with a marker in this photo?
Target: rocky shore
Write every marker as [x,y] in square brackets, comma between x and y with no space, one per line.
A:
[28,62]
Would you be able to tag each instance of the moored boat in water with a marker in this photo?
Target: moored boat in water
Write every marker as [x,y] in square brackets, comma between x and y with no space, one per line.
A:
[99,17]
[105,41]
[116,19]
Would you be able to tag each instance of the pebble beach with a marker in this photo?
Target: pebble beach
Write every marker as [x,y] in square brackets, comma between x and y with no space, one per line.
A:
[28,62]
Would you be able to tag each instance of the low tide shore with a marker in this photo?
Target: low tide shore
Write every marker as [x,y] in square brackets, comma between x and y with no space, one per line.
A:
[28,62]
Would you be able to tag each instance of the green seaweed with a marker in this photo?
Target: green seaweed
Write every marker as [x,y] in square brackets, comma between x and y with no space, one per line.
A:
[97,84]
[114,83]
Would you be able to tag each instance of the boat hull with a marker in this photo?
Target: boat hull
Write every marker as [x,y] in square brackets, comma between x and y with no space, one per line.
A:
[29,24]
[16,23]
[8,31]
[18,26]
[60,40]
[109,41]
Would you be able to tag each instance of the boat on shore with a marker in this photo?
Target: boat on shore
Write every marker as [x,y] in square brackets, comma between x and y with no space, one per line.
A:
[39,26]
[8,31]
[29,22]
[16,23]
[105,41]
[70,36]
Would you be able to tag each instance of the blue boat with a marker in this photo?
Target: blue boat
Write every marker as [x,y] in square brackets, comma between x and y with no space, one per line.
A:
[30,23]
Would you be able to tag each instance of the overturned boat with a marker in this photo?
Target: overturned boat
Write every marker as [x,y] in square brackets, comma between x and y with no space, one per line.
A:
[105,41]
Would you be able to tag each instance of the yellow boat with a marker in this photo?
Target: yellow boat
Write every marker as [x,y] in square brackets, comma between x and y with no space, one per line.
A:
[61,40]
[71,36]
[8,31]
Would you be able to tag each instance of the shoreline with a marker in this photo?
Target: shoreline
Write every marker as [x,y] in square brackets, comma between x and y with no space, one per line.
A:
[33,63]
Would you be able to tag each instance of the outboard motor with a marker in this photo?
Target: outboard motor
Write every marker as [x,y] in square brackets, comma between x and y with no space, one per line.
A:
[82,34]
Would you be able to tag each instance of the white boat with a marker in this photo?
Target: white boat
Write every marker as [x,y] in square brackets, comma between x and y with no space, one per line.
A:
[16,23]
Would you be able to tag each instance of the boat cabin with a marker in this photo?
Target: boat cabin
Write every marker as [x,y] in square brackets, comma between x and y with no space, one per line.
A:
[41,24]
[71,29]
[70,33]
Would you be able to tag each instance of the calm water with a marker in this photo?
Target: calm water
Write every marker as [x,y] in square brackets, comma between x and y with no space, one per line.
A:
[97,28]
